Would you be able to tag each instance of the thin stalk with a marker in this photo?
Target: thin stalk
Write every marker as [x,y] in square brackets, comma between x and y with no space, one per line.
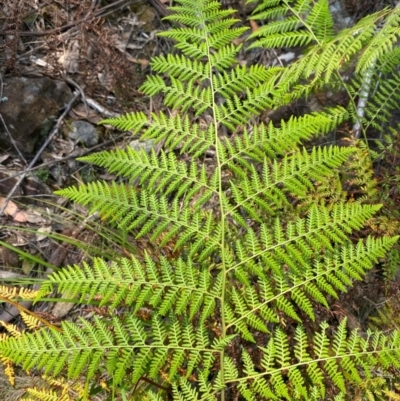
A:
[363,99]
[222,214]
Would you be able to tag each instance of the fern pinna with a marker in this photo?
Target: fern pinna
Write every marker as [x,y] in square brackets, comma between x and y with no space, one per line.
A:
[368,47]
[258,246]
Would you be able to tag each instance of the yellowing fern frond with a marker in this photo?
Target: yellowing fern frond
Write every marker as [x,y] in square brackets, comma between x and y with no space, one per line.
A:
[46,395]
[11,328]
[57,389]
[30,320]
[9,371]
[17,293]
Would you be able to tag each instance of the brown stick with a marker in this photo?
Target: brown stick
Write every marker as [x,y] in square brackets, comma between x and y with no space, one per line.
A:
[35,159]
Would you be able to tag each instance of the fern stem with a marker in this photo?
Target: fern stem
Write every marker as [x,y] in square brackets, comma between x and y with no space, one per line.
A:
[304,22]
[363,99]
[222,215]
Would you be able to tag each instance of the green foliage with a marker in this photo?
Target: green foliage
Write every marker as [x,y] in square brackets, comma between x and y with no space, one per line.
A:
[43,174]
[367,48]
[254,233]
[384,98]
[290,17]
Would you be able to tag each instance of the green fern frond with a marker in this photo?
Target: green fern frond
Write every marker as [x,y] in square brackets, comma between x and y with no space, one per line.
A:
[382,97]
[274,142]
[320,21]
[382,42]
[284,39]
[298,281]
[88,346]
[183,288]
[294,176]
[285,369]
[304,22]
[322,62]
[162,174]
[129,122]
[239,79]
[123,207]
[244,231]
[182,68]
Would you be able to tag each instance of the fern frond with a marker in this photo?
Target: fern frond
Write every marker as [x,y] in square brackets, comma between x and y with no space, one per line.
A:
[182,68]
[382,42]
[201,13]
[56,389]
[123,206]
[86,346]
[295,176]
[382,98]
[285,370]
[177,132]
[46,395]
[329,54]
[239,79]
[9,369]
[320,21]
[11,328]
[182,288]
[288,278]
[15,293]
[129,122]
[30,320]
[161,174]
[324,60]
[304,22]
[261,228]
[284,39]
[276,142]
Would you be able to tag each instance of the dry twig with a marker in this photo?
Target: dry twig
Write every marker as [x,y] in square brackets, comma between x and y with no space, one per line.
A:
[43,147]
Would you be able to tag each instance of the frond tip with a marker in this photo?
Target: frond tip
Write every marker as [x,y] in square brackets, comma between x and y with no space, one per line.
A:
[292,363]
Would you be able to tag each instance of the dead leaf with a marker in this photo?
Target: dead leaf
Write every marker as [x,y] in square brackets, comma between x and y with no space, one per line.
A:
[69,59]
[80,112]
[142,61]
[238,41]
[4,158]
[254,26]
[34,217]
[108,177]
[43,233]
[19,217]
[13,211]
[62,308]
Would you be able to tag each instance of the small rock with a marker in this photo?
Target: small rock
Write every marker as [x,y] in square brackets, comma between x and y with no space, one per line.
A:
[340,17]
[62,308]
[27,102]
[85,133]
